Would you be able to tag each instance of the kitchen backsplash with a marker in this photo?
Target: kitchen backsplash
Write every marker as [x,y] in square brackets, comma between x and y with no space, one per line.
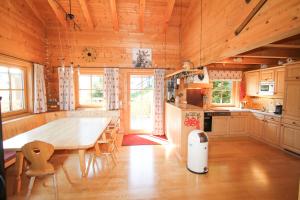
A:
[260,103]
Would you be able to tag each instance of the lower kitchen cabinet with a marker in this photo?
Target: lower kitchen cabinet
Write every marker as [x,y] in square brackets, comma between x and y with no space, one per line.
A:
[256,126]
[290,138]
[237,125]
[220,125]
[271,132]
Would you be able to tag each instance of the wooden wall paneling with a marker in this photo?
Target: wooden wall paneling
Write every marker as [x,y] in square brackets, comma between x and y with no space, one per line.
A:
[35,11]
[21,32]
[142,14]
[168,12]
[221,18]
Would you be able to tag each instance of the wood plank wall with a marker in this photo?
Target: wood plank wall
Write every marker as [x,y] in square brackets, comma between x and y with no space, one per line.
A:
[276,20]
[22,35]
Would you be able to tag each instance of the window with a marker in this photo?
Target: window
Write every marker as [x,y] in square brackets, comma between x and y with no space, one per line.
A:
[222,92]
[12,89]
[91,90]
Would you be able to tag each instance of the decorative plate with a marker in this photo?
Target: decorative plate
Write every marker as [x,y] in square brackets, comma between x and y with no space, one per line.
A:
[89,54]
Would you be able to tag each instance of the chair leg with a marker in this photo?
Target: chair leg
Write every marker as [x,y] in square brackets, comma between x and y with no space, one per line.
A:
[55,186]
[89,164]
[32,179]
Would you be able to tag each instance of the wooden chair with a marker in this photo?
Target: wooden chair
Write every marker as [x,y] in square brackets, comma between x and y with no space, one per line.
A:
[37,153]
[104,147]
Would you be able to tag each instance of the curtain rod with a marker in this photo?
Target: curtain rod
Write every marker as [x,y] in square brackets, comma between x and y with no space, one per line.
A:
[21,59]
[117,67]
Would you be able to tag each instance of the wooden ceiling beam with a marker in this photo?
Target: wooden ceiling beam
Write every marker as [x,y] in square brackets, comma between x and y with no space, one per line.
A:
[250,61]
[113,7]
[142,14]
[271,53]
[86,13]
[35,11]
[58,13]
[169,12]
[287,46]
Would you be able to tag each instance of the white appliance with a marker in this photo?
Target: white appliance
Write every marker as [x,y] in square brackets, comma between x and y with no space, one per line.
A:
[203,78]
[266,88]
[197,152]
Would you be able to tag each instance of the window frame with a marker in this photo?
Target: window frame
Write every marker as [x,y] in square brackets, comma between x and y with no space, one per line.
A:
[232,99]
[25,75]
[91,72]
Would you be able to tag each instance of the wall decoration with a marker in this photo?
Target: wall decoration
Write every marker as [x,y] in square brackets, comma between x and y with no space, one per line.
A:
[141,57]
[192,119]
[89,54]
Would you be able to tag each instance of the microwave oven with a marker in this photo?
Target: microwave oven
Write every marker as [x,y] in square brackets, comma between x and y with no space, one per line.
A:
[266,88]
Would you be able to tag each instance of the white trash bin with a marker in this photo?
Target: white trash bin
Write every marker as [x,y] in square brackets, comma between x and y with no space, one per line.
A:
[197,152]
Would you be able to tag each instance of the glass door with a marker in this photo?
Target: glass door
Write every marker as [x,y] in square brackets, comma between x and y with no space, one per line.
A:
[141,92]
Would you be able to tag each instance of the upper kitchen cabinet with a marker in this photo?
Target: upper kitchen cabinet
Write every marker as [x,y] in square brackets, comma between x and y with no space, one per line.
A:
[279,74]
[267,75]
[252,81]
[293,71]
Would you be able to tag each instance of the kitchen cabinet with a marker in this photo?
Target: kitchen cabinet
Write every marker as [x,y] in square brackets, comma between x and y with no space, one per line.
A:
[252,81]
[220,125]
[279,74]
[271,132]
[267,75]
[237,125]
[293,71]
[256,125]
[290,138]
[292,99]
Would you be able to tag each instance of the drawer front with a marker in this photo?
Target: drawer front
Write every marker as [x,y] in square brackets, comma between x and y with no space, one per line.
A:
[291,122]
[272,118]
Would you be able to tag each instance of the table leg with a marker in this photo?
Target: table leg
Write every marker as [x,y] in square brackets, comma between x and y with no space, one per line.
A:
[81,153]
[19,169]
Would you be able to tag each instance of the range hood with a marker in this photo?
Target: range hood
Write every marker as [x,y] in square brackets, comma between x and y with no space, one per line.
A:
[199,79]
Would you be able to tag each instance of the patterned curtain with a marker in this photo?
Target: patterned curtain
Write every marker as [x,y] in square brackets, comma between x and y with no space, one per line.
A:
[159,75]
[225,75]
[66,88]
[111,88]
[40,100]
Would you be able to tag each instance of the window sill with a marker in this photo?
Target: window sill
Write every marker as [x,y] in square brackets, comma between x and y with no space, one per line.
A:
[15,117]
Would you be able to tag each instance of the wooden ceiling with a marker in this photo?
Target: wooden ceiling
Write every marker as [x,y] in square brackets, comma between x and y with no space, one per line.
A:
[112,15]
[270,55]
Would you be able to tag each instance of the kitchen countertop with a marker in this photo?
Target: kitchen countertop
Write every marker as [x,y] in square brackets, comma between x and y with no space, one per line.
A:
[184,106]
[235,109]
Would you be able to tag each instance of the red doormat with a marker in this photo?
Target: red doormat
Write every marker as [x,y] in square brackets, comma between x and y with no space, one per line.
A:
[143,139]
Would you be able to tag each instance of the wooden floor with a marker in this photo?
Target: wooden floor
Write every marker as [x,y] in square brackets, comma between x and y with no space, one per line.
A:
[238,169]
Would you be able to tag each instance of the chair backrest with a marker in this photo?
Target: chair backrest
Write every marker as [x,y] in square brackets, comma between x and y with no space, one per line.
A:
[38,153]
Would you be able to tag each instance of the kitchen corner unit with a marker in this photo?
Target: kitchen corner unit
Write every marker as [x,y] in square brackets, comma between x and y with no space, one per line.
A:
[180,120]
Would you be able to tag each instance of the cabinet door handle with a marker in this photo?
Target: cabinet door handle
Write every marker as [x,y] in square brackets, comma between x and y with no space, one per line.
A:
[297,77]
[293,122]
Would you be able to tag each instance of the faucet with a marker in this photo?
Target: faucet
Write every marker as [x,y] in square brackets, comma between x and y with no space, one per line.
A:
[264,109]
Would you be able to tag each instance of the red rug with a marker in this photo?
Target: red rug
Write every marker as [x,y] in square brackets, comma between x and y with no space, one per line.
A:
[143,139]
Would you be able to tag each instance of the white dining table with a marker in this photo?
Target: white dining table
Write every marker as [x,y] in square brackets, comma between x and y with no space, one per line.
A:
[73,133]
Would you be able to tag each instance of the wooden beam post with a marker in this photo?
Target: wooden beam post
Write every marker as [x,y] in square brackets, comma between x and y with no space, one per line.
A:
[113,7]
[86,13]
[59,15]
[35,11]
[169,11]
[142,14]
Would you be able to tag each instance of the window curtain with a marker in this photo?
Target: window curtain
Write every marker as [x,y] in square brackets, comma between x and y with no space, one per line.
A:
[66,88]
[225,75]
[40,100]
[159,75]
[111,88]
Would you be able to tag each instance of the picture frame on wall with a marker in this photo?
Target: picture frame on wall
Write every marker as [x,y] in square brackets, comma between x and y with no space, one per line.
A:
[142,57]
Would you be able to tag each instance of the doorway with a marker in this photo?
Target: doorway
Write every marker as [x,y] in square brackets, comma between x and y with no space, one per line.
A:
[141,107]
